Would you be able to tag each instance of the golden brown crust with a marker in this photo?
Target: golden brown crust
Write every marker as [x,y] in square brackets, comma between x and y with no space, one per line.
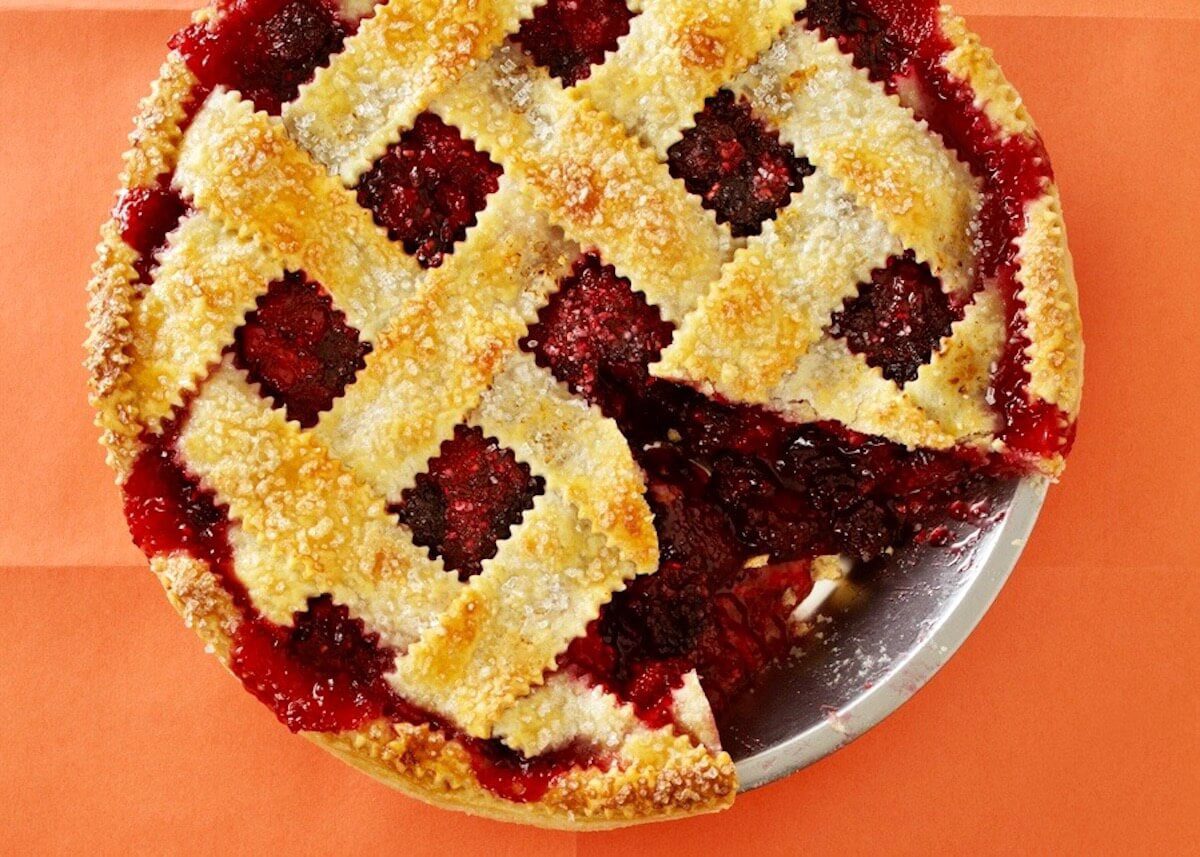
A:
[653,774]
[154,144]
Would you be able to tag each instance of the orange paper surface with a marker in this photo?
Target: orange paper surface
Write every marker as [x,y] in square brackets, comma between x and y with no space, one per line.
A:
[1067,722]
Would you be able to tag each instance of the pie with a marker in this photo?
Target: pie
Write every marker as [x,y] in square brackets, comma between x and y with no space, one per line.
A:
[488,380]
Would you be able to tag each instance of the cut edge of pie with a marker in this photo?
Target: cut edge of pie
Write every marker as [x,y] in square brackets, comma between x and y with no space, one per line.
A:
[656,773]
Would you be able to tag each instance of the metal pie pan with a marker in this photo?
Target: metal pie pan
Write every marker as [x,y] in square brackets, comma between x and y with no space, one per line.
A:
[878,638]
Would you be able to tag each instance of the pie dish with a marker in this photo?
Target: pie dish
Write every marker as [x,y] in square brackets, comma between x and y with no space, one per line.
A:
[488,381]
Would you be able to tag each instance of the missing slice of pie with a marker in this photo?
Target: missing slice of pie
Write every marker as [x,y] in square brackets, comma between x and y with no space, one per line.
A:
[487,382]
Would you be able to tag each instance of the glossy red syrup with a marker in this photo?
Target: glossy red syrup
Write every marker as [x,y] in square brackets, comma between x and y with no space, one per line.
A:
[322,674]
[428,187]
[168,511]
[736,165]
[568,37]
[145,216]
[298,347]
[900,43]
[264,49]
[468,500]
[727,484]
[898,318]
[508,774]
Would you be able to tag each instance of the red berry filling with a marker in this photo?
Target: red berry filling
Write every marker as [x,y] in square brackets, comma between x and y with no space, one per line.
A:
[264,49]
[323,674]
[468,500]
[299,348]
[168,511]
[596,334]
[901,44]
[428,187]
[145,216]
[568,37]
[898,318]
[727,484]
[736,165]
[508,774]
[861,34]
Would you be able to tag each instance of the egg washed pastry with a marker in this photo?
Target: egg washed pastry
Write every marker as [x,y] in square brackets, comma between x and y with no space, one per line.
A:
[487,380]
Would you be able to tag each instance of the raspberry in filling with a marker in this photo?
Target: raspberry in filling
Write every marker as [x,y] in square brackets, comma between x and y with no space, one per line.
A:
[743,500]
[468,500]
[265,49]
[145,216]
[428,187]
[736,165]
[568,37]
[299,348]
[898,318]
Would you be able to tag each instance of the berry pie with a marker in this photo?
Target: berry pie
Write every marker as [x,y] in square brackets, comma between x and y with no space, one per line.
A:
[489,380]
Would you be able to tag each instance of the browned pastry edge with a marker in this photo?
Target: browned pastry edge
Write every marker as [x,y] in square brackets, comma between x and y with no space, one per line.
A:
[416,759]
[686,779]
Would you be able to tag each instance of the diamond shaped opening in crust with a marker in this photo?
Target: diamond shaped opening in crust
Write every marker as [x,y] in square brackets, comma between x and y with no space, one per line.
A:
[597,335]
[860,33]
[428,187]
[468,500]
[898,318]
[568,37]
[738,166]
[298,348]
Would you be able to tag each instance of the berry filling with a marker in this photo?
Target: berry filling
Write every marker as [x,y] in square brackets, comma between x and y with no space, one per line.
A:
[508,774]
[898,318]
[169,512]
[299,348]
[428,187]
[145,216]
[264,49]
[468,500]
[736,165]
[743,500]
[900,44]
[322,674]
[568,37]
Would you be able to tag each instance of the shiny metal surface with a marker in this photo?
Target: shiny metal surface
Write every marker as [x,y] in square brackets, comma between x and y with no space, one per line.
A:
[878,640]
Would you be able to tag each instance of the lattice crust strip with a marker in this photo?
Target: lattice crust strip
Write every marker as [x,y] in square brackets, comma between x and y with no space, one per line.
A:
[575,448]
[205,283]
[849,127]
[546,582]
[324,530]
[678,53]
[952,387]
[563,711]
[389,71]
[832,383]
[600,185]
[436,357]
[244,171]
[774,300]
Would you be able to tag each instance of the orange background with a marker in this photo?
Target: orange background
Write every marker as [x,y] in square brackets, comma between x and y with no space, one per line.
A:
[1068,721]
